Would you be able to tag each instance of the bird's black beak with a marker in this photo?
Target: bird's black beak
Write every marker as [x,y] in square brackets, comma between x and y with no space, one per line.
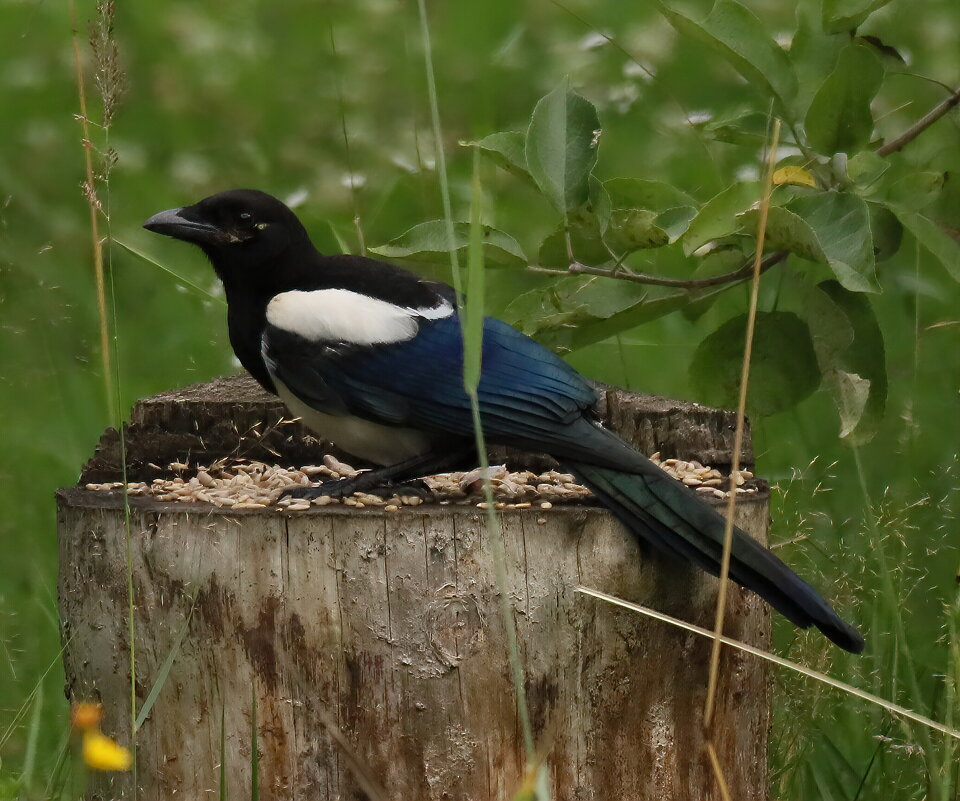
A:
[185,224]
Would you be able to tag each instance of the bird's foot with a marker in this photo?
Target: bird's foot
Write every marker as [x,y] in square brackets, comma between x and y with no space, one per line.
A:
[345,487]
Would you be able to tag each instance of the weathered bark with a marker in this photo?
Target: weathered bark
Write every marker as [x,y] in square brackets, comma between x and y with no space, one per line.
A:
[389,625]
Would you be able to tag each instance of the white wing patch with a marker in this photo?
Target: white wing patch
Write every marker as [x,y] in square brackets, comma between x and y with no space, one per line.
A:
[339,315]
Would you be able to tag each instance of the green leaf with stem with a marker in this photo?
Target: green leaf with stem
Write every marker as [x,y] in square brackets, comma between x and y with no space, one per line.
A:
[839,119]
[561,147]
[430,242]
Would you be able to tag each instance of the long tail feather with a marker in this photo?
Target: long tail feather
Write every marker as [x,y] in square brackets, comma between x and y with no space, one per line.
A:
[671,517]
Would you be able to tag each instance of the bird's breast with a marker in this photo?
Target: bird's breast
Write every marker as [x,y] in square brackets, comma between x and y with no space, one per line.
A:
[373,442]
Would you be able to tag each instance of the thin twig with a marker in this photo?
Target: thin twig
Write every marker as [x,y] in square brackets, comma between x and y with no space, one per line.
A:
[920,125]
[738,436]
[625,274]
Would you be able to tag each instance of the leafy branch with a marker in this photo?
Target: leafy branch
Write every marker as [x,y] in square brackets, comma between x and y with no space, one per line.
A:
[839,204]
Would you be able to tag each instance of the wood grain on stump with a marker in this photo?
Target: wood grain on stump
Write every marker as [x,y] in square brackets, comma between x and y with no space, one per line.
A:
[387,626]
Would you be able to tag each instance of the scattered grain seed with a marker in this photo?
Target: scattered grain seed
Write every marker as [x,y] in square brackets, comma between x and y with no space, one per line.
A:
[391,507]
[546,505]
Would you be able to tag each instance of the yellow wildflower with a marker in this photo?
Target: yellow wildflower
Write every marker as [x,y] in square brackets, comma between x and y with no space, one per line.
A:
[86,716]
[102,753]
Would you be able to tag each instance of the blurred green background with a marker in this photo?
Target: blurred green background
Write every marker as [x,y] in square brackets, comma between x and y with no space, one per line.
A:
[325,105]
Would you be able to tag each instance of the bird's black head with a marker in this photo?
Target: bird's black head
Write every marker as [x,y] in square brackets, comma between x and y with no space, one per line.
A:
[237,229]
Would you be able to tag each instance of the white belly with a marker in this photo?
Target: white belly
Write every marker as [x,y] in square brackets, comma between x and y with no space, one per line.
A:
[374,442]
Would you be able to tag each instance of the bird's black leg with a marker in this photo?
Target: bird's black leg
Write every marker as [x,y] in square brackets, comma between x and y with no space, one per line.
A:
[387,478]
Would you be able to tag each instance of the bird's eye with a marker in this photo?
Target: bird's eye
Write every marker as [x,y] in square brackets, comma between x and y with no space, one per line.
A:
[245,216]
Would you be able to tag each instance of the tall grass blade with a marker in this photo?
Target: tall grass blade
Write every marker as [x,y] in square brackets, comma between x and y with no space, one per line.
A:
[738,433]
[26,705]
[360,770]
[164,670]
[186,282]
[472,315]
[33,733]
[476,258]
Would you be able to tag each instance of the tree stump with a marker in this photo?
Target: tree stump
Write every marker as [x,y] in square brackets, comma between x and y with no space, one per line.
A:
[335,636]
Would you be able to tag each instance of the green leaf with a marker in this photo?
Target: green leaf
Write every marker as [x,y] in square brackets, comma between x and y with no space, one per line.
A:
[783,370]
[635,229]
[675,222]
[586,244]
[653,304]
[597,209]
[887,231]
[585,226]
[633,193]
[572,301]
[839,119]
[915,191]
[850,393]
[674,210]
[866,168]
[840,16]
[814,54]
[735,32]
[718,217]
[933,238]
[506,150]
[561,147]
[427,242]
[739,128]
[828,227]
[850,351]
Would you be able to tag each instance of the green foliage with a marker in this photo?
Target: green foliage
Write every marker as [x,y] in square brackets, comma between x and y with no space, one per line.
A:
[735,33]
[851,217]
[839,119]
[783,367]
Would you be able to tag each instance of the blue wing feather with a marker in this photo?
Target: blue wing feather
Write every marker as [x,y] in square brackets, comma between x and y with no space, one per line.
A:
[524,388]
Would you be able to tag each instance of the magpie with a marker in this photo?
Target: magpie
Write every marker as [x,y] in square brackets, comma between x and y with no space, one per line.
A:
[370,356]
